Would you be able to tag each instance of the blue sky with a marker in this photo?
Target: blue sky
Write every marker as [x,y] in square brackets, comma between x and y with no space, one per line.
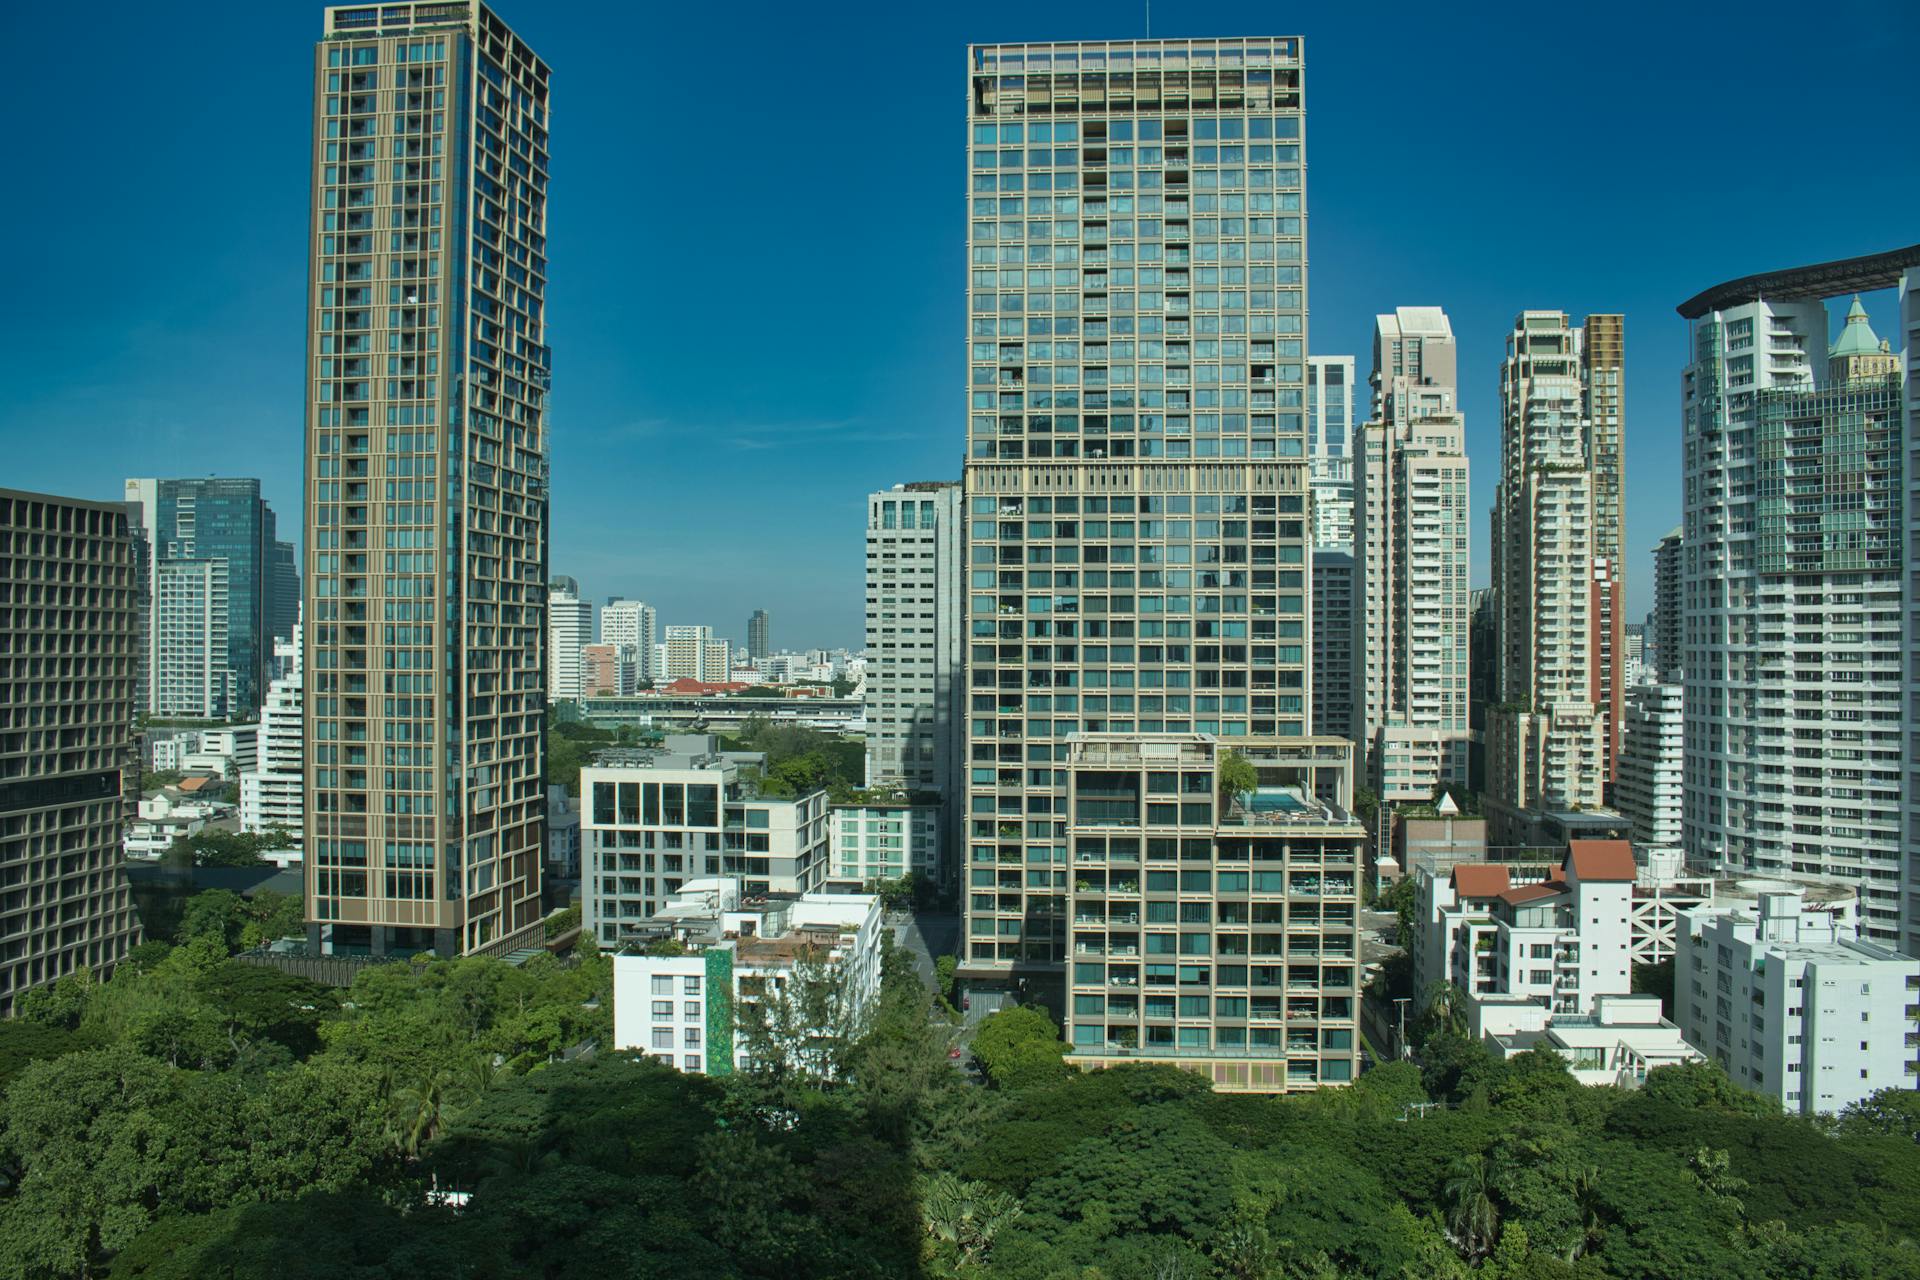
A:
[757,239]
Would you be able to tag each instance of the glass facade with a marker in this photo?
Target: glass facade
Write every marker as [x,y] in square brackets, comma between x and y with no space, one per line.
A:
[1136,476]
[426,481]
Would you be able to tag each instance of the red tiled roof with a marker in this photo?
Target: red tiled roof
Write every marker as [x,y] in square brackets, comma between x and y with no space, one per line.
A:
[1601,860]
[1479,880]
[1523,894]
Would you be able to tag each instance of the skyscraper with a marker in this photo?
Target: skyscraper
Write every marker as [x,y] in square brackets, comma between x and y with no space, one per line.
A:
[224,535]
[759,628]
[283,572]
[1796,586]
[1137,505]
[1651,764]
[1557,584]
[569,629]
[68,600]
[273,794]
[914,698]
[1411,533]
[426,494]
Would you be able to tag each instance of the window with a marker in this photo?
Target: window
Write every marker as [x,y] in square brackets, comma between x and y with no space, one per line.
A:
[690,985]
[662,984]
[691,1039]
[662,1010]
[663,1037]
[691,1010]
[691,1062]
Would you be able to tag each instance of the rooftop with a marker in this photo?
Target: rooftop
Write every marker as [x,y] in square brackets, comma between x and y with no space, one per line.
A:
[1821,280]
[1594,860]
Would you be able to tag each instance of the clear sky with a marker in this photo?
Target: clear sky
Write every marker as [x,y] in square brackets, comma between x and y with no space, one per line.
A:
[757,297]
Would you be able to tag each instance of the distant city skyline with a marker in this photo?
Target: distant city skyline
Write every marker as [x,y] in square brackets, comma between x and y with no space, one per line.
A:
[751,496]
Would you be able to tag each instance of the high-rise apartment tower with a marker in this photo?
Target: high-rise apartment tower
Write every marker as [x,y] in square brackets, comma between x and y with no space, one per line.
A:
[426,480]
[1798,683]
[759,633]
[1411,533]
[69,594]
[1137,499]
[1556,572]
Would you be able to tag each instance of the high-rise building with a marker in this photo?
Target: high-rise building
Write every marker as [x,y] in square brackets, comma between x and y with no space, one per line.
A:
[1330,449]
[569,630]
[759,628]
[283,615]
[1634,665]
[1665,633]
[1558,587]
[1651,764]
[1333,700]
[636,623]
[1909,291]
[686,656]
[913,697]
[224,534]
[68,624]
[1411,534]
[426,536]
[189,633]
[1795,586]
[1136,461]
[273,793]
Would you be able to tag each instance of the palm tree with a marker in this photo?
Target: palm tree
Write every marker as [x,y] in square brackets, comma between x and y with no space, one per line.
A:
[1446,1010]
[420,1109]
[1473,1219]
[1586,1198]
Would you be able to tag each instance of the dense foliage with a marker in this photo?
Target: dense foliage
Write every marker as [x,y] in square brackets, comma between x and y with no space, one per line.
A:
[199,1117]
[802,759]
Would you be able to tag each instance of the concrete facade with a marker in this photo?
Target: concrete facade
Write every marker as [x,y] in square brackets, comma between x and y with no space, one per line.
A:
[68,606]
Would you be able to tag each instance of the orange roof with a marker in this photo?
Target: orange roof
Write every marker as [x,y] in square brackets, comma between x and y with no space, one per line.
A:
[195,784]
[1478,880]
[1526,893]
[1601,860]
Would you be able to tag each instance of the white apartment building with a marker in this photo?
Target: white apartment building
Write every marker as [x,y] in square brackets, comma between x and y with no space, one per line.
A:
[272,793]
[1548,961]
[882,840]
[1794,1004]
[1662,889]
[569,630]
[653,819]
[736,947]
[911,692]
[1557,590]
[1663,638]
[636,623]
[1652,763]
[1795,598]
[191,674]
[1410,613]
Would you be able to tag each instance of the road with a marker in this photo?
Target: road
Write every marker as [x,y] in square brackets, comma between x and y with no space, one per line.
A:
[927,935]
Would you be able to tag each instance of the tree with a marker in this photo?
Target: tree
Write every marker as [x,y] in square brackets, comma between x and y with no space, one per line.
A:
[944,969]
[798,1029]
[1020,1048]
[1238,777]
[966,1215]
[1444,1010]
[1473,1217]
[1893,1112]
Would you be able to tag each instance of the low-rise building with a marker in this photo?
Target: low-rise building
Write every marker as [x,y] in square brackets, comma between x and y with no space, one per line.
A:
[884,840]
[712,946]
[1208,931]
[1793,1003]
[1617,1044]
[161,820]
[653,819]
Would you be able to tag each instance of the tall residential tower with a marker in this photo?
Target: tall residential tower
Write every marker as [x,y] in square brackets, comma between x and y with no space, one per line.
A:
[426,546]
[1796,586]
[1411,534]
[1137,543]
[1557,574]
